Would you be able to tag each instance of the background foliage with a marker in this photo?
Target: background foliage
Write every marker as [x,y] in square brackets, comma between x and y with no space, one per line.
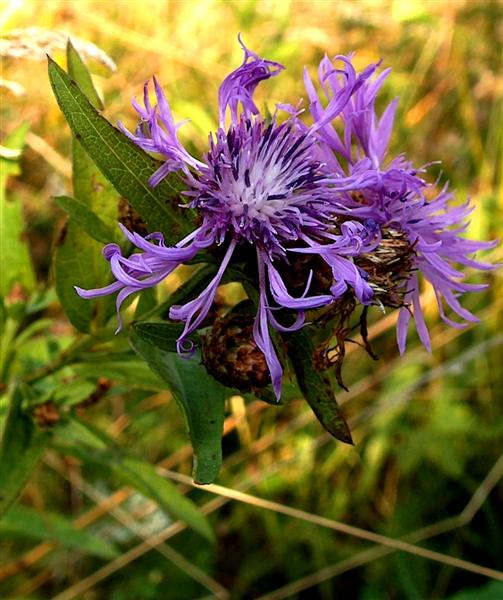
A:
[428,428]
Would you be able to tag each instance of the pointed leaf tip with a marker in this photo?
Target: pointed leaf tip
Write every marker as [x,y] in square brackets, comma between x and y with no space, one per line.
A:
[199,396]
[316,387]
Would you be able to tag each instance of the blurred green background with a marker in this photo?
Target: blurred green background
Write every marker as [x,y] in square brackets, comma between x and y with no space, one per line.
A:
[428,428]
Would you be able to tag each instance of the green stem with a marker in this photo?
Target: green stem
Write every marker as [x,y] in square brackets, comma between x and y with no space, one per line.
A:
[7,348]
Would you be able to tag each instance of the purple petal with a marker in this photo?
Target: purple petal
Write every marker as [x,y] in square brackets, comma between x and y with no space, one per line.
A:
[194,312]
[261,333]
[401,328]
[157,132]
[96,293]
[283,298]
[239,85]
[421,328]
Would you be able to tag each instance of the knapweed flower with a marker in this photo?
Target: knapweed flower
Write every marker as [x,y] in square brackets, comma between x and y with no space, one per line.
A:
[260,184]
[395,199]
[281,189]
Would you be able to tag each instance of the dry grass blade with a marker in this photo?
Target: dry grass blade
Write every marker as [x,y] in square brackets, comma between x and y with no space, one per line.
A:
[363,534]
[34,43]
[366,556]
[481,493]
[59,163]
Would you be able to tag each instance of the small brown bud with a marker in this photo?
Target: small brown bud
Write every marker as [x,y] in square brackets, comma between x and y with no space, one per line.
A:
[16,294]
[46,414]
[231,355]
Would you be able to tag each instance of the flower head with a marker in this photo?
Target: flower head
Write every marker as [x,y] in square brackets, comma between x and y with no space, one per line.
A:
[395,198]
[284,189]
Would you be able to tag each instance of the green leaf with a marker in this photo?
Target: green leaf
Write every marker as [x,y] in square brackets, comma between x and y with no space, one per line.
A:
[123,163]
[90,187]
[78,70]
[315,386]
[199,396]
[143,477]
[147,302]
[69,395]
[41,299]
[28,522]
[92,445]
[77,258]
[15,257]
[14,141]
[3,313]
[160,334]
[78,438]
[86,219]
[20,449]
[32,330]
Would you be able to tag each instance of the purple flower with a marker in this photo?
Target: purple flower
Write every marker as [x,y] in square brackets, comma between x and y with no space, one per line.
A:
[281,188]
[262,184]
[393,194]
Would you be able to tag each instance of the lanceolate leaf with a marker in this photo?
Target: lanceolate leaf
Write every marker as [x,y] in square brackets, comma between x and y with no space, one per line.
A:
[76,263]
[28,522]
[199,396]
[125,165]
[80,73]
[20,449]
[77,257]
[316,387]
[89,185]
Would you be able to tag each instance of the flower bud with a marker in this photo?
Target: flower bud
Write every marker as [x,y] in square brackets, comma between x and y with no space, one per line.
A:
[231,355]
